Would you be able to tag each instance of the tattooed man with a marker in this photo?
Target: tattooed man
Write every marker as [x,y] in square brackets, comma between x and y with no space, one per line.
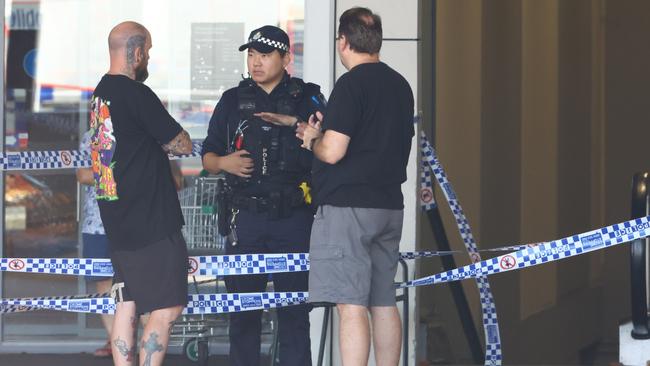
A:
[131,137]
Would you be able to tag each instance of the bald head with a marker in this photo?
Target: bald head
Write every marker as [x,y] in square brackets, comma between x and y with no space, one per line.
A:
[128,45]
[125,38]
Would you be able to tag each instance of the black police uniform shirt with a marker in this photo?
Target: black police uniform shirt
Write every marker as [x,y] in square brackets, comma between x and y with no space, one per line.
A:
[222,132]
[373,105]
[136,194]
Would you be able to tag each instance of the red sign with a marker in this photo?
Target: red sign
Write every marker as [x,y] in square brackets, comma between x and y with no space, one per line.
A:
[426,195]
[475,257]
[192,266]
[508,262]
[16,264]
[66,159]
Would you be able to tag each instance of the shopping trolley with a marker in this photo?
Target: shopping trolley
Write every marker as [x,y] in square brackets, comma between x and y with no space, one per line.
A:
[199,206]
[195,332]
[198,201]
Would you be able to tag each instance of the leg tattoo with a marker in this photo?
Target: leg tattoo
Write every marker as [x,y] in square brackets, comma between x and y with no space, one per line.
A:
[123,347]
[151,346]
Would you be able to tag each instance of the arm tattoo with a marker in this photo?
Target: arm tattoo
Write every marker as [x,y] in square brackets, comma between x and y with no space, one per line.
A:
[151,346]
[124,349]
[179,145]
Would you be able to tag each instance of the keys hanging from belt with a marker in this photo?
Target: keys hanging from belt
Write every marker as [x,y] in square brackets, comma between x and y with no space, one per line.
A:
[233,228]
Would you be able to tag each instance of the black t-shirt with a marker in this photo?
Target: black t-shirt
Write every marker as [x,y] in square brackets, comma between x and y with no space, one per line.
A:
[373,105]
[136,194]
[227,118]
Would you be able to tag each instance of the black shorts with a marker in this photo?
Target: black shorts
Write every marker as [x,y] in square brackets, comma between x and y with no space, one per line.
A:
[155,277]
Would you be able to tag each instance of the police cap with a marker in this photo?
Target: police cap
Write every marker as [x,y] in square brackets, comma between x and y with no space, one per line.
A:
[267,39]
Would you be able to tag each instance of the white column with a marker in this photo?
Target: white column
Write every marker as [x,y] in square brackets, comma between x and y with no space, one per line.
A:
[399,50]
[318,67]
[318,53]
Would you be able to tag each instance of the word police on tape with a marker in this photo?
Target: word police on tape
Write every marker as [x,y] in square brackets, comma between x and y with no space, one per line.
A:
[546,252]
[61,159]
[430,161]
[223,265]
[197,303]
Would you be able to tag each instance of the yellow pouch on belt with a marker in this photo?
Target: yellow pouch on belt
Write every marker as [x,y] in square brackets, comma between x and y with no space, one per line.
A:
[306,192]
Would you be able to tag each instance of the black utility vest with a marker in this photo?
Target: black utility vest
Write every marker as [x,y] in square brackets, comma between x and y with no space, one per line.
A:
[278,158]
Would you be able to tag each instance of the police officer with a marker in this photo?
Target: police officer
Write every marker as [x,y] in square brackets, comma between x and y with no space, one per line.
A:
[251,138]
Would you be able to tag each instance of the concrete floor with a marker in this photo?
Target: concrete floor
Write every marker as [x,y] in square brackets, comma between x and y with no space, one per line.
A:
[84,359]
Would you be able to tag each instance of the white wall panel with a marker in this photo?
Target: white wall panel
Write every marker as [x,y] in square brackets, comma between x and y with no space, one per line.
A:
[399,17]
[399,20]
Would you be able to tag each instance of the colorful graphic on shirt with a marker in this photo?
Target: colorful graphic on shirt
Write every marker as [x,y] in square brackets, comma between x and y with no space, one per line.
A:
[102,147]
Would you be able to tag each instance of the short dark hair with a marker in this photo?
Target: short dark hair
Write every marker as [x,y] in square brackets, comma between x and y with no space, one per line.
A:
[362,30]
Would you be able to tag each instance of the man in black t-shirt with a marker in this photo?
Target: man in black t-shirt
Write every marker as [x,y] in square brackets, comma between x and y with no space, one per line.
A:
[131,135]
[361,159]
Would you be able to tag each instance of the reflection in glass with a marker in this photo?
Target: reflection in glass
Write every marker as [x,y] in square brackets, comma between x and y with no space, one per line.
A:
[56,51]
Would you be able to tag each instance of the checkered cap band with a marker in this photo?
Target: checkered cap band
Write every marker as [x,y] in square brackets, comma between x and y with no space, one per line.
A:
[270,42]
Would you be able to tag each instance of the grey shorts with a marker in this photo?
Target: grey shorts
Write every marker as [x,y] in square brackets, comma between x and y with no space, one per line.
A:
[353,255]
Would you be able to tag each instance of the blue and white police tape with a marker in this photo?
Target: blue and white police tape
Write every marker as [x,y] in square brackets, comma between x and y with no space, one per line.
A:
[19,305]
[196,304]
[218,265]
[440,253]
[223,265]
[196,152]
[570,246]
[427,199]
[8,309]
[61,159]
[493,354]
[222,303]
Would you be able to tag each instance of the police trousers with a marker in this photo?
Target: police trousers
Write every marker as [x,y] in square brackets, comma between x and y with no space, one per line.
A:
[257,234]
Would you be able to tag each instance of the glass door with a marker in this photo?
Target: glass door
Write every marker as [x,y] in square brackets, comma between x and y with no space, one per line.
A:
[55,53]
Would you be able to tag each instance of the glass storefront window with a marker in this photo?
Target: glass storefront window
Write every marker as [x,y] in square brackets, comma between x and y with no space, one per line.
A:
[55,53]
